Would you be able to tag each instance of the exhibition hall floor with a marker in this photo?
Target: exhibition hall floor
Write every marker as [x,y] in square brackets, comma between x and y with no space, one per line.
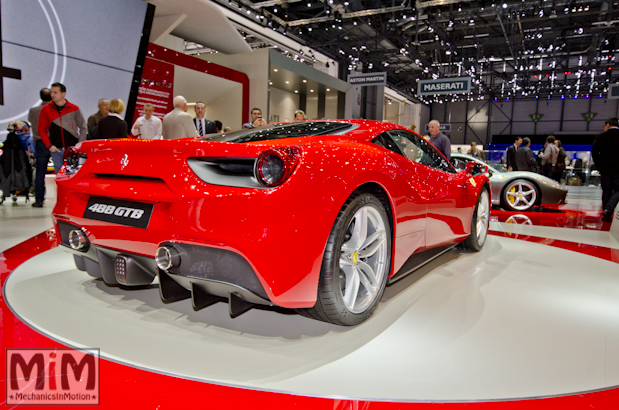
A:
[531,320]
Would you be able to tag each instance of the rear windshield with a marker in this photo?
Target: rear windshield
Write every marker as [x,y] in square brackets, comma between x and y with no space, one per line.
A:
[288,130]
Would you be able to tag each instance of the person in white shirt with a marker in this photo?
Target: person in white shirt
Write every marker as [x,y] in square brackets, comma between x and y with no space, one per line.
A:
[147,126]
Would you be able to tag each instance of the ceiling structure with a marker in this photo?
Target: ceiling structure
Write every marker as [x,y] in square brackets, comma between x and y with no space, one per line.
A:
[186,19]
[511,49]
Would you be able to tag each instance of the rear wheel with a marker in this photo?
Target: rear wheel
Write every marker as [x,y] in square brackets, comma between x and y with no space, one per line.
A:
[519,195]
[479,223]
[356,263]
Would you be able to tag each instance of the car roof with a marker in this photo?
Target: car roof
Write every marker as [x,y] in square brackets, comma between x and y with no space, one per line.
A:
[359,130]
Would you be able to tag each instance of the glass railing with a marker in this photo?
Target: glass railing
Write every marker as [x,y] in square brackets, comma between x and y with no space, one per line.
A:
[581,176]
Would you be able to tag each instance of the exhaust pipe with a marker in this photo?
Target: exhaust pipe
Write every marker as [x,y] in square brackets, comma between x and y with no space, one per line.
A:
[167,257]
[78,240]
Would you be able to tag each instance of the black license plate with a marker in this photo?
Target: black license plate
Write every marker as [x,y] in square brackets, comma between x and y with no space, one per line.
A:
[119,212]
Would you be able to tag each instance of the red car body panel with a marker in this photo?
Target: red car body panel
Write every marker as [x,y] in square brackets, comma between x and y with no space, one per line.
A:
[281,231]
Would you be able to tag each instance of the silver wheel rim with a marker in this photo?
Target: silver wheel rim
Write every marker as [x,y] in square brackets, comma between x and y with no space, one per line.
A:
[520,195]
[363,259]
[483,217]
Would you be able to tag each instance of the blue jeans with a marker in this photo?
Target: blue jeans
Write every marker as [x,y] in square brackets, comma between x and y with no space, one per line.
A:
[42,155]
[610,191]
[57,159]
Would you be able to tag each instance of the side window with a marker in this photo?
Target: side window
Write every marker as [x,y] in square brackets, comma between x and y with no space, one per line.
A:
[459,163]
[419,150]
[384,141]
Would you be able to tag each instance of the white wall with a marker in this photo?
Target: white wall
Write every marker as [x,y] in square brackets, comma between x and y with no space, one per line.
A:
[405,113]
[226,109]
[222,98]
[256,66]
[311,106]
[353,103]
[411,115]
[172,42]
[283,104]
[331,105]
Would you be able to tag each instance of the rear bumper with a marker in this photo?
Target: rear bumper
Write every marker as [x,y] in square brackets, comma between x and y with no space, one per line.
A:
[204,273]
[278,233]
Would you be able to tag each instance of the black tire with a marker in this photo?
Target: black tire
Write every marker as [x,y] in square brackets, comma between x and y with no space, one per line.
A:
[331,305]
[530,195]
[479,223]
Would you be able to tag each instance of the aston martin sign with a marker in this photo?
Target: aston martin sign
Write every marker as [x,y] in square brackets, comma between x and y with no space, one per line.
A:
[460,85]
[368,79]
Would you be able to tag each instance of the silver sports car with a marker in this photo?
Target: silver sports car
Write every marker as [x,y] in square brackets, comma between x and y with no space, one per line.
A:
[517,190]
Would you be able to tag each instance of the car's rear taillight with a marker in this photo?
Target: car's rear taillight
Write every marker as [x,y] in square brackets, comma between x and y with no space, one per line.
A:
[73,161]
[276,165]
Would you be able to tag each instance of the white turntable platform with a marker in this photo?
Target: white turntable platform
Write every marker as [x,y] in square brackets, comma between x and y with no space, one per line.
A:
[513,321]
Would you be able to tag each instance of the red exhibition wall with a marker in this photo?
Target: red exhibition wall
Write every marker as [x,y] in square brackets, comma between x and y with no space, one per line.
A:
[156,87]
[157,84]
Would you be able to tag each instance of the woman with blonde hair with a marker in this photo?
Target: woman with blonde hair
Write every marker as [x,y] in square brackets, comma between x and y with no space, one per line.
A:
[113,126]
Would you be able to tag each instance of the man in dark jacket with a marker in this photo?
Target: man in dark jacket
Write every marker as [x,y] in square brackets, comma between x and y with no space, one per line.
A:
[524,156]
[203,125]
[605,152]
[438,139]
[61,125]
[511,155]
[41,152]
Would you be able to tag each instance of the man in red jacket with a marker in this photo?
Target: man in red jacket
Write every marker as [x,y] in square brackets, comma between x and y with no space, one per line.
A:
[61,125]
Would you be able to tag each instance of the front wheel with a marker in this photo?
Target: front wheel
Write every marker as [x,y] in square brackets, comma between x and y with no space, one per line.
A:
[519,195]
[356,263]
[479,223]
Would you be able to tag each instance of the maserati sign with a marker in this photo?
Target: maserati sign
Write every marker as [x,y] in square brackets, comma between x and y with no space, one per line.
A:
[460,85]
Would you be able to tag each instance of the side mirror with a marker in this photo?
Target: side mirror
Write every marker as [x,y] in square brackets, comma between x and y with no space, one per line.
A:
[475,168]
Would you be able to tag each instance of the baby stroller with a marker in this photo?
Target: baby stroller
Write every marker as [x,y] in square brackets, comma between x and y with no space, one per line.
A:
[15,168]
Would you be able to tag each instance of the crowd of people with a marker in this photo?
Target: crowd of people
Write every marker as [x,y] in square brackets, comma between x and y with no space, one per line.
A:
[551,159]
[57,124]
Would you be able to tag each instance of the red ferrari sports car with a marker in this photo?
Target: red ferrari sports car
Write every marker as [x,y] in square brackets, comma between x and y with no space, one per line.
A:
[316,216]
